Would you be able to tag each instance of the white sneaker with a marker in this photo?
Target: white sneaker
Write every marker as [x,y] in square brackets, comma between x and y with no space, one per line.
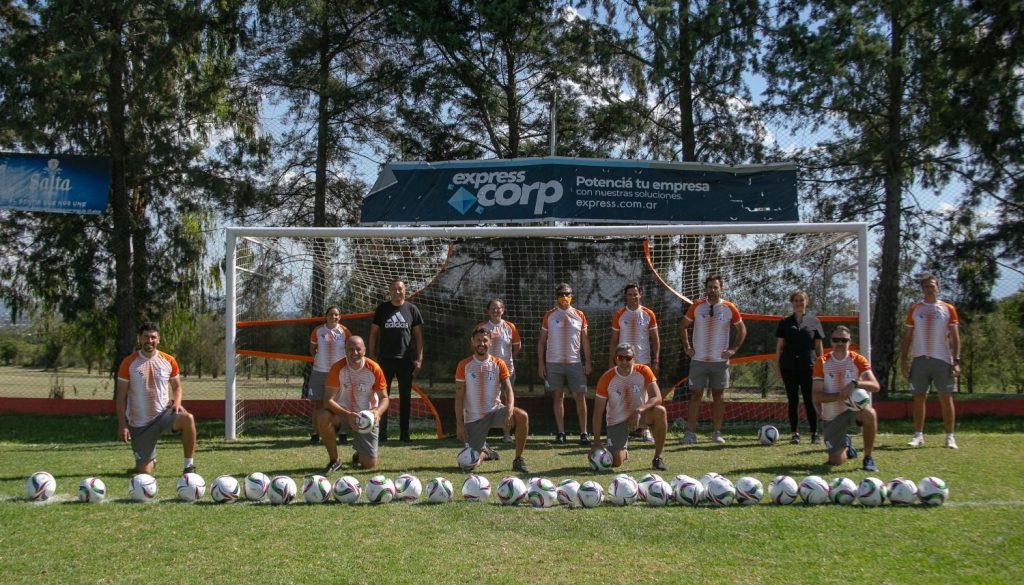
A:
[690,438]
[647,436]
[916,441]
[506,439]
[951,442]
[716,437]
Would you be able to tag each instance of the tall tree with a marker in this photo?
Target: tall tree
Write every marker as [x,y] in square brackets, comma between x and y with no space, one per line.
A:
[146,84]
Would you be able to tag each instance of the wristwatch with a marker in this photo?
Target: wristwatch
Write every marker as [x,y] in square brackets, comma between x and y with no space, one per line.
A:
[956,361]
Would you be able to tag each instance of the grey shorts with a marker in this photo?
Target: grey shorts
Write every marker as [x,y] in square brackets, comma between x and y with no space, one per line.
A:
[926,370]
[565,376]
[144,438]
[363,443]
[317,383]
[709,374]
[618,436]
[476,431]
[835,431]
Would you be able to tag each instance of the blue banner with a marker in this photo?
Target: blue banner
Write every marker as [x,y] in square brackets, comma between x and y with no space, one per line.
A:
[56,183]
[580,191]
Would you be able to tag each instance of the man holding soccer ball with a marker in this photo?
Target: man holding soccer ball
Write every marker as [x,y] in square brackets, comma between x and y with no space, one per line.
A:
[627,395]
[836,375]
[354,383]
[148,402]
[480,381]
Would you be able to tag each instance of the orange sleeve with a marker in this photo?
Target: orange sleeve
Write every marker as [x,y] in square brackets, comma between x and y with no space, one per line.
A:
[910,315]
[334,374]
[602,384]
[647,373]
[502,368]
[736,318]
[174,364]
[691,312]
[544,320]
[954,319]
[312,335]
[616,317]
[379,383]
[515,332]
[460,371]
[583,318]
[123,372]
[654,320]
[346,331]
[862,364]
[818,373]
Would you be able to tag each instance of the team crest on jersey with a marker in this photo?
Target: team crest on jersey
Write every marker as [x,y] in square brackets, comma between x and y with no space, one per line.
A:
[361,389]
[636,388]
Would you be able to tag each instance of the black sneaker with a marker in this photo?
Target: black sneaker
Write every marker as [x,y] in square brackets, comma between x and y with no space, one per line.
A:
[559,439]
[342,439]
[188,469]
[815,439]
[519,465]
[795,439]
[869,463]
[490,454]
[334,465]
[584,439]
[659,464]
[314,440]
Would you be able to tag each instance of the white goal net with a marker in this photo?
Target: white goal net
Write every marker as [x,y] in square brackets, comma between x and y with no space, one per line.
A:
[281,280]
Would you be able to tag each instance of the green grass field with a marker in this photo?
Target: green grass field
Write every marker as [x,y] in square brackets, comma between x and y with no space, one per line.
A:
[975,537]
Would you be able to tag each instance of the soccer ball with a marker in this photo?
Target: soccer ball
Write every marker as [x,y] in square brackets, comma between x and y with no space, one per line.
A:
[92,489]
[380,490]
[255,486]
[439,490]
[749,491]
[859,400]
[408,487]
[568,493]
[316,489]
[645,482]
[675,481]
[511,491]
[689,491]
[468,458]
[225,489]
[707,477]
[623,491]
[783,490]
[40,486]
[872,492]
[721,492]
[190,487]
[659,493]
[282,490]
[932,491]
[902,492]
[142,488]
[842,491]
[600,460]
[767,435]
[541,492]
[476,488]
[813,490]
[346,490]
[591,494]
[365,421]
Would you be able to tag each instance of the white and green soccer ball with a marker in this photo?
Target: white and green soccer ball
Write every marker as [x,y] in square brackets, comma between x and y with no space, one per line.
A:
[872,492]
[568,493]
[814,490]
[40,486]
[92,490]
[591,494]
[721,492]
[347,490]
[439,490]
[408,488]
[255,486]
[749,491]
[225,489]
[902,492]
[932,491]
[859,400]
[659,493]
[380,490]
[316,489]
[783,490]
[842,491]
[689,491]
[511,491]
[623,491]
[541,492]
[600,460]
[282,490]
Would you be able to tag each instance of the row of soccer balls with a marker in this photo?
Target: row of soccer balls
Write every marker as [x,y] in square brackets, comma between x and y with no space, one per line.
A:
[713,489]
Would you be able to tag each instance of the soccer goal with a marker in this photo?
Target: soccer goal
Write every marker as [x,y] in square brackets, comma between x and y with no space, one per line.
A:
[279,281]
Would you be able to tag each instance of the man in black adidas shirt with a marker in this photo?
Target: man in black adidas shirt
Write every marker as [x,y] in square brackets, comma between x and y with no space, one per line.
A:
[398,329]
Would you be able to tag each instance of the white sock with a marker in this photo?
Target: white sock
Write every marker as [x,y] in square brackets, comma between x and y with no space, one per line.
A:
[916,435]
[949,435]
[188,461]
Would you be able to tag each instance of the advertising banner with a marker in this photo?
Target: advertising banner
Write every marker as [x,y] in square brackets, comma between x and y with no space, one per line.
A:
[56,183]
[558,189]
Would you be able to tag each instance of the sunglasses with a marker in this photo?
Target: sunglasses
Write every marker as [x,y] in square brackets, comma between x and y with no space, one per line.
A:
[840,340]
[564,294]
[624,358]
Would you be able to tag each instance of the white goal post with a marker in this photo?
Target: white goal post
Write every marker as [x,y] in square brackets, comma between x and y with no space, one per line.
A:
[754,254]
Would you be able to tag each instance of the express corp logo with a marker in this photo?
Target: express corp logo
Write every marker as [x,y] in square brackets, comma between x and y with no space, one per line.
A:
[502,188]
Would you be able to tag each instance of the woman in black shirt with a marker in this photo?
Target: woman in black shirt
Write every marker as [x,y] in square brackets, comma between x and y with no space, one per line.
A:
[799,344]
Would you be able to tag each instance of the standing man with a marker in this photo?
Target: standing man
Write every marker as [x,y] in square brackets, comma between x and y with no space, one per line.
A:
[709,354]
[398,328]
[628,394]
[148,402]
[354,383]
[563,360]
[505,343]
[932,339]
[636,325]
[835,376]
[480,380]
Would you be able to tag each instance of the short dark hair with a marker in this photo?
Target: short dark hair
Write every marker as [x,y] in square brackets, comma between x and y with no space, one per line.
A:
[635,285]
[923,278]
[478,331]
[149,326]
[717,277]
[563,285]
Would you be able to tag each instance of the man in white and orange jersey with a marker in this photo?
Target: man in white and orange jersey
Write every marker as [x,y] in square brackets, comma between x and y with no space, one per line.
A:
[626,395]
[636,324]
[710,350]
[354,383]
[836,375]
[480,381]
[327,345]
[505,342]
[932,340]
[563,360]
[148,402]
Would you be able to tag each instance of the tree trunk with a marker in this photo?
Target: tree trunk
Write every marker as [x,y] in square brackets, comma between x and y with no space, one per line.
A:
[684,87]
[318,285]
